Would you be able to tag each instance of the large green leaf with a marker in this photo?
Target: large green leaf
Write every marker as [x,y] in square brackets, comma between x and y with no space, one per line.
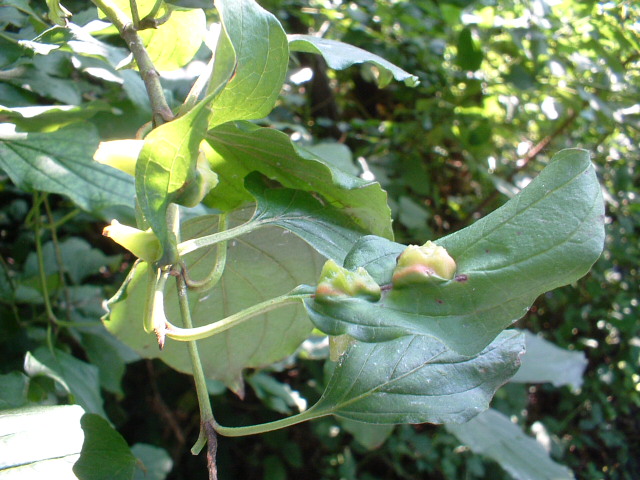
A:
[492,434]
[260,265]
[242,147]
[417,379]
[61,162]
[253,56]
[547,236]
[32,444]
[340,55]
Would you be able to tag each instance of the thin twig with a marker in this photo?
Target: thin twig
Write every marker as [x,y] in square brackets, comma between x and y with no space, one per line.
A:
[161,111]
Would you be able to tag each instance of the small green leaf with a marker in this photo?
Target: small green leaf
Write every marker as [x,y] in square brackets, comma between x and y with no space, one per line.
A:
[252,55]
[370,436]
[340,55]
[547,236]
[545,362]
[51,117]
[242,147]
[13,390]
[154,463]
[61,162]
[327,229]
[105,454]
[469,54]
[492,434]
[78,378]
[32,444]
[57,13]
[417,379]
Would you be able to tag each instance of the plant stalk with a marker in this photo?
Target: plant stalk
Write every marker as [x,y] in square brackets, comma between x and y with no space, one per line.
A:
[207,422]
[161,111]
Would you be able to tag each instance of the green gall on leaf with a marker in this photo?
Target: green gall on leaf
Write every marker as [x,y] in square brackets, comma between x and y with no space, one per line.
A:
[337,282]
[198,188]
[427,263]
[120,154]
[142,243]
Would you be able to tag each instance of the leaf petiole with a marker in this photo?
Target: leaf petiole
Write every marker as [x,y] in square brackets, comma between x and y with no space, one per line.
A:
[194,244]
[198,333]
[221,259]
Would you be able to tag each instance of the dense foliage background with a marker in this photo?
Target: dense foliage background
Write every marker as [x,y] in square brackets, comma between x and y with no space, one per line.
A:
[504,85]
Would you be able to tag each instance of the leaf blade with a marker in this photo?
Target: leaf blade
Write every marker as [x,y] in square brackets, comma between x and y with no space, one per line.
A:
[339,56]
[504,262]
[412,380]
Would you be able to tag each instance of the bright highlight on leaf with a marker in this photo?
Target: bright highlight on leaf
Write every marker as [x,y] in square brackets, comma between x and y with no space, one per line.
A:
[120,154]
[427,263]
[338,282]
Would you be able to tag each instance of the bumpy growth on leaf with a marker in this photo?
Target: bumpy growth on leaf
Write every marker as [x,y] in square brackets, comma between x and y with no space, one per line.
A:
[337,282]
[427,263]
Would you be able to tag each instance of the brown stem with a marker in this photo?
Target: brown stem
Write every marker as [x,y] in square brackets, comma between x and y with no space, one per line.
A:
[161,111]
[212,449]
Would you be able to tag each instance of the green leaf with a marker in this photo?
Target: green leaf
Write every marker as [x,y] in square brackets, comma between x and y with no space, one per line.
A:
[165,52]
[469,54]
[417,379]
[545,362]
[252,55]
[166,166]
[369,435]
[32,444]
[105,454]
[154,463]
[242,147]
[51,117]
[329,230]
[260,265]
[13,390]
[492,434]
[547,236]
[340,55]
[78,378]
[61,162]
[80,260]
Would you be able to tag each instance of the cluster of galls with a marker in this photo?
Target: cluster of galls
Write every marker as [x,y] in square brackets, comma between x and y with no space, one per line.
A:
[415,265]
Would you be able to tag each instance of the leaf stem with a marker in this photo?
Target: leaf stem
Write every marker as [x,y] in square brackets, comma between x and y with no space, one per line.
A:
[58,254]
[307,415]
[221,260]
[41,269]
[194,244]
[161,111]
[207,434]
[197,333]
